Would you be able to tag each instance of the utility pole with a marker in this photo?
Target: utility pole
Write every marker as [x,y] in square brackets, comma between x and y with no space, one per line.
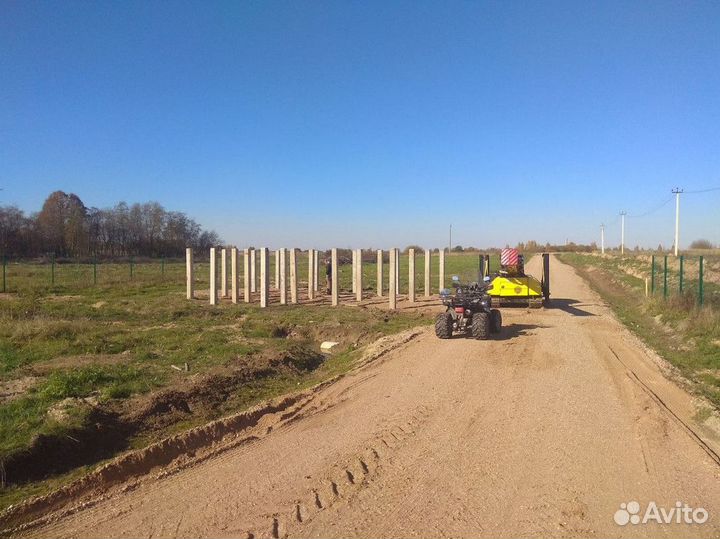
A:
[622,232]
[602,239]
[677,192]
[450,246]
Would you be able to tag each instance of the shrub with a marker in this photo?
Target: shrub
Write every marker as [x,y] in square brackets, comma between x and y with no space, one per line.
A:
[701,244]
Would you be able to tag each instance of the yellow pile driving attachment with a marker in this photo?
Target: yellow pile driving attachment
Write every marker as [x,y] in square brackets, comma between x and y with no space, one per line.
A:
[511,286]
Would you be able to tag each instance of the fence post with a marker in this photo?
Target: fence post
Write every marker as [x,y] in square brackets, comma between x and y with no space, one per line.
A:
[213,277]
[131,268]
[701,296]
[293,275]
[283,276]
[652,275]
[95,270]
[189,273]
[334,275]
[428,260]
[223,272]
[316,264]
[162,267]
[253,273]
[264,277]
[665,290]
[358,275]
[441,271]
[234,274]
[379,273]
[246,275]
[682,263]
[354,270]
[52,270]
[392,292]
[277,269]
[411,275]
[311,272]
[4,272]
[397,270]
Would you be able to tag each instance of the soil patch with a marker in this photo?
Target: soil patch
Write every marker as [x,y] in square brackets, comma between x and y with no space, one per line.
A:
[12,389]
[73,362]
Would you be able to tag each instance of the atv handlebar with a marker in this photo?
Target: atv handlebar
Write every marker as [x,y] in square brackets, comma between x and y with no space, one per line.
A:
[465,293]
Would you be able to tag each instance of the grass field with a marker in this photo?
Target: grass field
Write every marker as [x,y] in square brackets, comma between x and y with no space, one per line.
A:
[64,277]
[685,334]
[88,371]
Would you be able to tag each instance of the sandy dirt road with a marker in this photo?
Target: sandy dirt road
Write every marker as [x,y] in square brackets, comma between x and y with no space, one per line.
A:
[542,432]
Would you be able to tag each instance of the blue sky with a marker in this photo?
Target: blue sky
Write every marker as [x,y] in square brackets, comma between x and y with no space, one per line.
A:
[370,123]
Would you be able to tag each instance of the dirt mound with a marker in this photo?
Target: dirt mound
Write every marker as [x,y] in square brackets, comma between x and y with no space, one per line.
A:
[386,344]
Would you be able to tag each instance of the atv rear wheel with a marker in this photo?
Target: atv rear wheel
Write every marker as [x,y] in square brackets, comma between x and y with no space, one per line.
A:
[495,321]
[481,326]
[444,325]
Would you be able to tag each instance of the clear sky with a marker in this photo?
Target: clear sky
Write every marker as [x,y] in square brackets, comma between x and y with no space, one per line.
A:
[370,123]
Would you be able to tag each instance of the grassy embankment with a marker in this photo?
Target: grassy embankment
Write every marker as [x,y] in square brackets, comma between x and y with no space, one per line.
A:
[676,327]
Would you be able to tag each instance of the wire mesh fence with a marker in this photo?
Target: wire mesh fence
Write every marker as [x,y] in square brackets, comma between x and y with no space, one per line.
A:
[695,278]
[20,276]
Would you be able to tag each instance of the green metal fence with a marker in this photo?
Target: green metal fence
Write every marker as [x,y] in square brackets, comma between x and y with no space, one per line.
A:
[676,280]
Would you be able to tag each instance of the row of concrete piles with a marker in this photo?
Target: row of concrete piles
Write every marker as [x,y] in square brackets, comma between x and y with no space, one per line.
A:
[287,259]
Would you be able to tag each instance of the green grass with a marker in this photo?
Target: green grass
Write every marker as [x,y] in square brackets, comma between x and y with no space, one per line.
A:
[65,276]
[676,327]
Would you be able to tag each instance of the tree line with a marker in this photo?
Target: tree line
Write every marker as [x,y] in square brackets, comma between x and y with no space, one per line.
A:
[65,227]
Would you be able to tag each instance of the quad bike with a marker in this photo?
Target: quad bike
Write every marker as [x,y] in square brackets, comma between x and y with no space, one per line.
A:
[468,311]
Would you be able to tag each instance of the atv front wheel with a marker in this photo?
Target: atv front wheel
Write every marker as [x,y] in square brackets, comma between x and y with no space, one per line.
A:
[495,321]
[444,325]
[481,326]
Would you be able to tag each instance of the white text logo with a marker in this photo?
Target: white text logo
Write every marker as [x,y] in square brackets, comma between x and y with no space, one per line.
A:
[629,513]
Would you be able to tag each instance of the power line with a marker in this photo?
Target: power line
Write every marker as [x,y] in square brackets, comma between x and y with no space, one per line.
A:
[703,190]
[675,194]
[654,209]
